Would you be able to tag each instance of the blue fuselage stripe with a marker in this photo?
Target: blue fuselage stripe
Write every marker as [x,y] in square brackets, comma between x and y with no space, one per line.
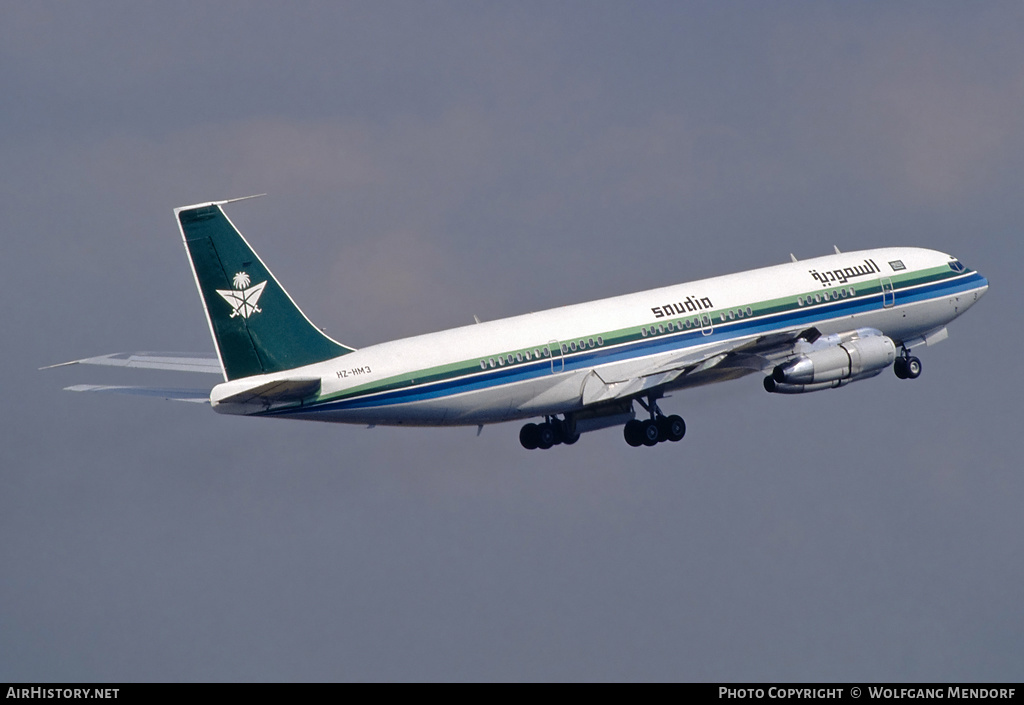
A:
[651,346]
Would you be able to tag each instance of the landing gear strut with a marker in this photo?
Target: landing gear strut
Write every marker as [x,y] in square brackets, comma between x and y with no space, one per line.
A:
[906,366]
[654,430]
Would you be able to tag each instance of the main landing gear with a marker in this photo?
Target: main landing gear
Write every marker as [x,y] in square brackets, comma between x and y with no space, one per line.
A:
[544,435]
[638,432]
[906,366]
[656,429]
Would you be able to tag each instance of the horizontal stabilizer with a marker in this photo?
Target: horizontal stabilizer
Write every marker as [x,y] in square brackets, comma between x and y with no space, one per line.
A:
[276,392]
[200,396]
[175,361]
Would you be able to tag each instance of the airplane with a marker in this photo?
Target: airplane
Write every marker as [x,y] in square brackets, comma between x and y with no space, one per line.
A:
[808,325]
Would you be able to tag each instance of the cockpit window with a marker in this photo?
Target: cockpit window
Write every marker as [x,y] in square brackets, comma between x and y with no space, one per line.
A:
[957,266]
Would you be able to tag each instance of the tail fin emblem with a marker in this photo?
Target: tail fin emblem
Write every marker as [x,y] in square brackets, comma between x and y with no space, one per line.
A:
[243,301]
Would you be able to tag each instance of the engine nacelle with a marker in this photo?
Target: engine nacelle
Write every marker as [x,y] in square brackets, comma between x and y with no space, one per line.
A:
[847,361]
[770,385]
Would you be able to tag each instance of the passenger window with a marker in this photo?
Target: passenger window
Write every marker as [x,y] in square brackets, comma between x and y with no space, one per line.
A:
[600,340]
[519,357]
[483,364]
[492,362]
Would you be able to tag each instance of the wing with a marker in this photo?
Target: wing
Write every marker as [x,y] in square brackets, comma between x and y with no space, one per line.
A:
[708,363]
[176,361]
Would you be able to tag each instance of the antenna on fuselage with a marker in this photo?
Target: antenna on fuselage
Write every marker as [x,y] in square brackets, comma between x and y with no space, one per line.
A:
[836,248]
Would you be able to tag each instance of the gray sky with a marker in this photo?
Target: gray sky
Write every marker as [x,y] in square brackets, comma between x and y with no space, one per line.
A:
[431,161]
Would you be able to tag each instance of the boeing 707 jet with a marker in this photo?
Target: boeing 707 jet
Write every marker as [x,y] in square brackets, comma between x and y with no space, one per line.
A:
[807,326]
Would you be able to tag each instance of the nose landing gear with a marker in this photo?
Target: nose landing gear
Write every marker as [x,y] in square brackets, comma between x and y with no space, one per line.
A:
[906,366]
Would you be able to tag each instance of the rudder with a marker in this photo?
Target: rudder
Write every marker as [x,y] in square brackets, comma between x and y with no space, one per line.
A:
[256,326]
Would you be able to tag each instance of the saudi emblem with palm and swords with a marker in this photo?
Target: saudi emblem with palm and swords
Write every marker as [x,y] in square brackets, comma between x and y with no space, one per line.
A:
[243,300]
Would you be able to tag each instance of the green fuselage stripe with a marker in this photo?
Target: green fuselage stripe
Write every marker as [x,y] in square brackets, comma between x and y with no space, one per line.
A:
[635,334]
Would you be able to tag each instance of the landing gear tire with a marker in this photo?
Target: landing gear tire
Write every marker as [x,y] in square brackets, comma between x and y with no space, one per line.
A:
[675,428]
[633,433]
[529,436]
[907,367]
[662,423]
[570,439]
[650,435]
[912,368]
[545,436]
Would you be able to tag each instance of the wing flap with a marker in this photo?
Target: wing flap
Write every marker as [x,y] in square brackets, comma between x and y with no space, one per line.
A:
[634,377]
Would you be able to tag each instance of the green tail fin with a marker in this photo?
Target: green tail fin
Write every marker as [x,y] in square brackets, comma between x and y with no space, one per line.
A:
[256,326]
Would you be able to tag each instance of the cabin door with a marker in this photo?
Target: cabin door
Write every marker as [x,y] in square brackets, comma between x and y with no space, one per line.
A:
[557,361]
[707,327]
[888,295]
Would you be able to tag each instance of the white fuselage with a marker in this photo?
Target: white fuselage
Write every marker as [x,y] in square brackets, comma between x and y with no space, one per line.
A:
[562,359]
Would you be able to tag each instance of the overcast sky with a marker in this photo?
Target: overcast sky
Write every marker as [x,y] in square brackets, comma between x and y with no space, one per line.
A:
[428,162]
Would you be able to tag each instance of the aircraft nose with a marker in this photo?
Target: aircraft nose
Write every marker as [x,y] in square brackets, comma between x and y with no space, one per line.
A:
[984,287]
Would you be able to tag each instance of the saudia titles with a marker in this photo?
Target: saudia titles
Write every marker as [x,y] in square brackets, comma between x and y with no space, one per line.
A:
[680,308]
[841,276]
[826,279]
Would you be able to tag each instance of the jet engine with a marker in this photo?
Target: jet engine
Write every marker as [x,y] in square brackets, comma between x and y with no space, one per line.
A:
[836,365]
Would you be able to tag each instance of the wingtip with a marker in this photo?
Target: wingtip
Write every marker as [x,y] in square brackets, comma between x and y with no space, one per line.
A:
[59,364]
